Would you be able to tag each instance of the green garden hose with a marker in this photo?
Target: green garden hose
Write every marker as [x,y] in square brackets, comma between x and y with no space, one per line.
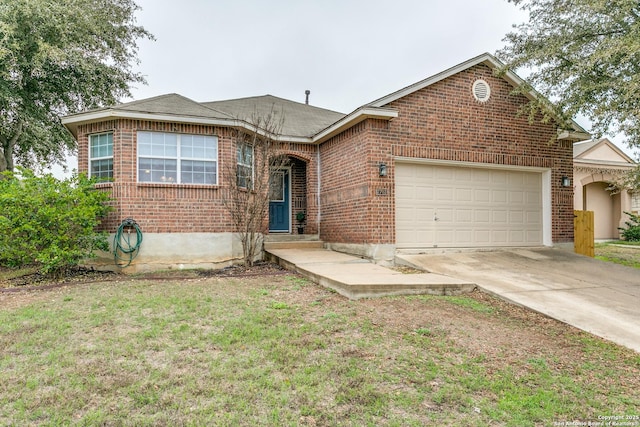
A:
[125,249]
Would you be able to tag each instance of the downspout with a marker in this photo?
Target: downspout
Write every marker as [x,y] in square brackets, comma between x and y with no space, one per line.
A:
[319,176]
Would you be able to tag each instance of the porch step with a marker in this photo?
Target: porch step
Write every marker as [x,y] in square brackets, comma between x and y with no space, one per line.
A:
[293,244]
[285,237]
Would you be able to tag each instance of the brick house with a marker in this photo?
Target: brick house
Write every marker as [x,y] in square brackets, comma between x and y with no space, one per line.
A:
[443,163]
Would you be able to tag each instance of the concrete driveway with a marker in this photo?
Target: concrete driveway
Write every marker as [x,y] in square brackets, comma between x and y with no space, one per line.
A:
[599,297]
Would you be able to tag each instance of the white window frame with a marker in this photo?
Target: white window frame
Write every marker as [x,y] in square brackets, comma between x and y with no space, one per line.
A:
[179,158]
[92,159]
[239,164]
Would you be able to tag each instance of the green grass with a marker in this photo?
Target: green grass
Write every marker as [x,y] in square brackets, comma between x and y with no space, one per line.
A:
[619,252]
[281,351]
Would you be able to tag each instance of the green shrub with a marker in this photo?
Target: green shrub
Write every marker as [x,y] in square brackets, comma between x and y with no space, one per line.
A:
[632,232]
[49,222]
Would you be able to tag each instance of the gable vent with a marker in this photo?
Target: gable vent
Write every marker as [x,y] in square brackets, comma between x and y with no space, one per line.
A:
[481,90]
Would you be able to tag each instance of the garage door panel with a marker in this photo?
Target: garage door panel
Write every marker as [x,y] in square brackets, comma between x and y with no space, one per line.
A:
[516,217]
[517,197]
[482,196]
[499,196]
[444,194]
[465,194]
[517,236]
[464,216]
[482,216]
[482,237]
[452,206]
[500,217]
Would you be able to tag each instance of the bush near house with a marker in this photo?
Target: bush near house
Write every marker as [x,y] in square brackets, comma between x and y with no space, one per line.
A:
[632,232]
[49,222]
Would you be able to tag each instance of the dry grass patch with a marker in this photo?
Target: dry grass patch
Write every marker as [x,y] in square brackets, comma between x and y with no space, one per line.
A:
[625,253]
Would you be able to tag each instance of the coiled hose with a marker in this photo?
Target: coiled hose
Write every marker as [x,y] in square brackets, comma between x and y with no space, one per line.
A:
[125,249]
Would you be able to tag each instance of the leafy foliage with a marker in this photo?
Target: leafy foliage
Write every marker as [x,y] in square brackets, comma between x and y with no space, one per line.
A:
[58,57]
[49,222]
[632,232]
[585,56]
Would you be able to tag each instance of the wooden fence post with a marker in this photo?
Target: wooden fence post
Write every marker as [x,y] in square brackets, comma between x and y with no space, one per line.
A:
[583,237]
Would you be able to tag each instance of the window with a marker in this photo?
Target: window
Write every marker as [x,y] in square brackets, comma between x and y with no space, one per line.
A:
[101,156]
[177,158]
[245,165]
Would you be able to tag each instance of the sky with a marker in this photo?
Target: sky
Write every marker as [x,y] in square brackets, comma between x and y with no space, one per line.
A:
[346,52]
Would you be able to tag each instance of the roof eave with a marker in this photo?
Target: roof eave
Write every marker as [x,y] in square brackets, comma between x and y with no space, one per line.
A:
[73,121]
[485,58]
[352,119]
[573,135]
[609,163]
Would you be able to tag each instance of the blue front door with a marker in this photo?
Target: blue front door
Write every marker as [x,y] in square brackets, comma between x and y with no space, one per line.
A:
[279,206]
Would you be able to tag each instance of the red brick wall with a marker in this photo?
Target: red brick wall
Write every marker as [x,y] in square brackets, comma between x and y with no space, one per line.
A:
[442,121]
[159,208]
[171,208]
[304,182]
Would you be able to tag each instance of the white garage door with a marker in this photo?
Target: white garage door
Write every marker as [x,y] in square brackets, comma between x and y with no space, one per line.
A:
[458,207]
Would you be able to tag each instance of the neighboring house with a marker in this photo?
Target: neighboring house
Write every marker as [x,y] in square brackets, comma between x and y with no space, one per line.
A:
[597,167]
[444,163]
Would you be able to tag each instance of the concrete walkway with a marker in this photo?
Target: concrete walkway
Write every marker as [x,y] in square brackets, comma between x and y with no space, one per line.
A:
[598,297]
[357,278]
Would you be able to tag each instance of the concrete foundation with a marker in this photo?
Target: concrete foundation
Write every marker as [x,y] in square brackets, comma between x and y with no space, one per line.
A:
[383,254]
[166,251]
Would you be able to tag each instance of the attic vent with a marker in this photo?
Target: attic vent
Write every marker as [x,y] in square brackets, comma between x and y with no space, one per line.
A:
[481,90]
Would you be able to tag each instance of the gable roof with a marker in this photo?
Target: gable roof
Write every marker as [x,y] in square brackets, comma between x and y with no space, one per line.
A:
[600,152]
[173,104]
[298,119]
[577,131]
[169,107]
[302,123]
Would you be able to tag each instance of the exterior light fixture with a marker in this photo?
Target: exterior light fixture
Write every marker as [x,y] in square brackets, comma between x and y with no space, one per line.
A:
[566,181]
[382,169]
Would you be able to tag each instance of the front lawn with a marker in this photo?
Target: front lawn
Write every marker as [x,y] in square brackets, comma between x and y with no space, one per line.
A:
[278,350]
[619,252]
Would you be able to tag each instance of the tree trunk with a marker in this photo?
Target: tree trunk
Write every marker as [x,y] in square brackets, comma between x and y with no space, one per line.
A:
[7,147]
[3,161]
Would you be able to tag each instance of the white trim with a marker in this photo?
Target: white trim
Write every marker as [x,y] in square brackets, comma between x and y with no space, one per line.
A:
[547,218]
[488,60]
[346,122]
[93,116]
[90,158]
[251,166]
[354,118]
[610,163]
[602,142]
[572,134]
[72,121]
[372,110]
[179,158]
[469,164]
